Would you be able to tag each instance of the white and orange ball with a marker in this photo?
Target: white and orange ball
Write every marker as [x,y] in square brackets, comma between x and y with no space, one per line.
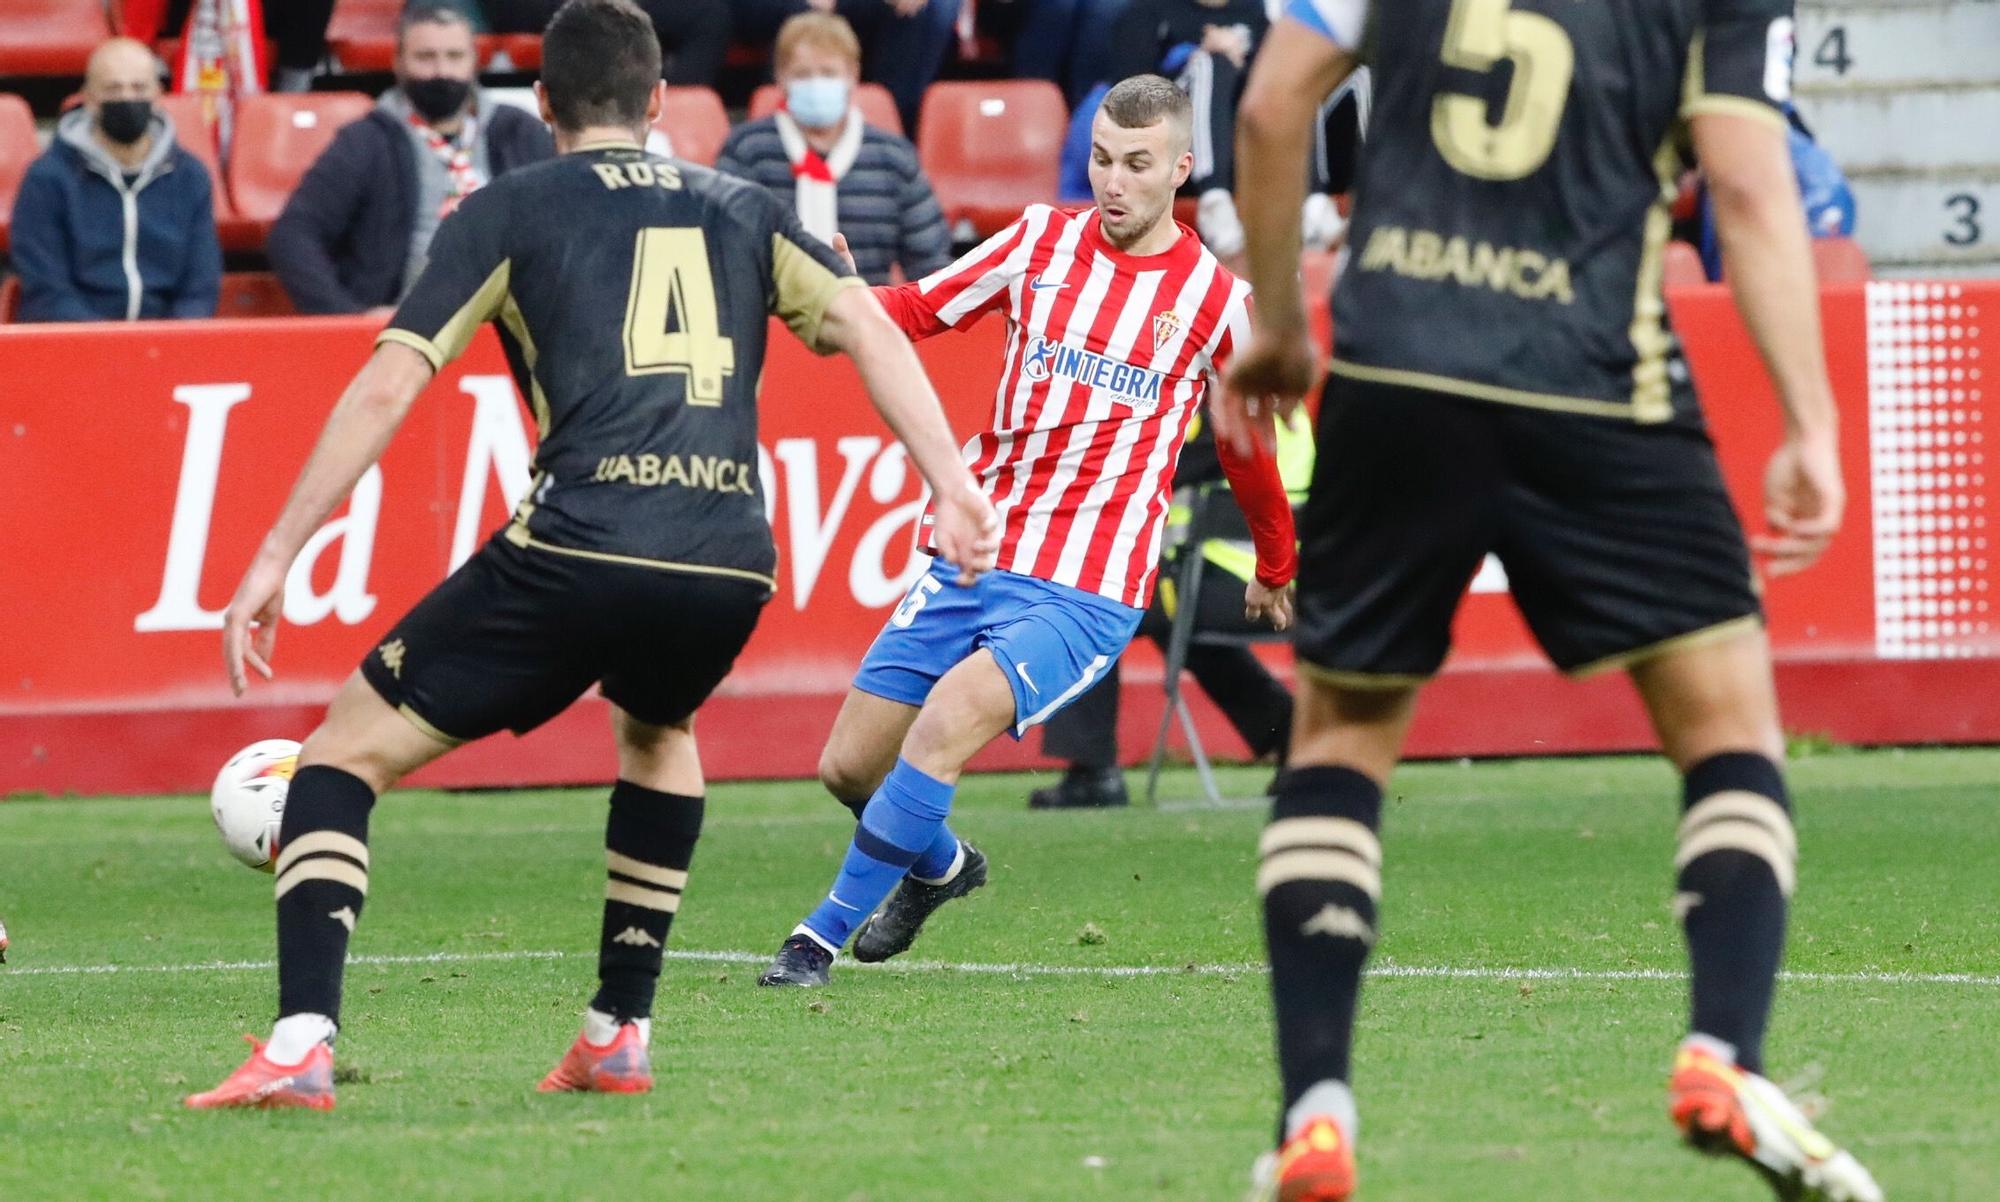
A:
[248,800]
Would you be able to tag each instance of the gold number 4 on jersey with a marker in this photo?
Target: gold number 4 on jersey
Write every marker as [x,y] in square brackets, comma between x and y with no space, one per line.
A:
[1479,35]
[670,317]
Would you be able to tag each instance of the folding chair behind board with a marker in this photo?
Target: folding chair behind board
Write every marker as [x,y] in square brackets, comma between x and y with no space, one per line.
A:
[1212,513]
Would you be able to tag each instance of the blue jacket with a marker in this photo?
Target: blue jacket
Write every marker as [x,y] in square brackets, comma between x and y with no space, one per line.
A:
[89,245]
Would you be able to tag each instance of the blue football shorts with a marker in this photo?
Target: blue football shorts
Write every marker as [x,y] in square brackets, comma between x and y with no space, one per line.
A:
[1052,641]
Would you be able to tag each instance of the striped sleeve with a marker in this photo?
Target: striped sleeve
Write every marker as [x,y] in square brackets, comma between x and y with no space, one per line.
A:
[960,293]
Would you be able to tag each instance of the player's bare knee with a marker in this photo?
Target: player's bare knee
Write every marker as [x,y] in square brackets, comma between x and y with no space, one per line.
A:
[846,775]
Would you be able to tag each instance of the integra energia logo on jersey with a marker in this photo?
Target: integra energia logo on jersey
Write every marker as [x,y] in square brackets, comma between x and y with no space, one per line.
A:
[1124,384]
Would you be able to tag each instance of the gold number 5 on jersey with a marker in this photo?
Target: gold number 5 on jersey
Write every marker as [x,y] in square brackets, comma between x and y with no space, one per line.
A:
[670,318]
[1480,34]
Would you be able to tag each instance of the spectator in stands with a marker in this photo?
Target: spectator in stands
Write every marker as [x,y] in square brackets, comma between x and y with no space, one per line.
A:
[1066,42]
[115,222]
[907,40]
[357,231]
[1206,46]
[694,34]
[297,28]
[841,173]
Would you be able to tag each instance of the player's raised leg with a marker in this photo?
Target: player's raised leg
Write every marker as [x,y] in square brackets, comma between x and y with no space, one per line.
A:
[1736,863]
[902,829]
[362,748]
[649,839]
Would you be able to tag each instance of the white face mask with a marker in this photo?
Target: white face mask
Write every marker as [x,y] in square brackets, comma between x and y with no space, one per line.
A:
[817,102]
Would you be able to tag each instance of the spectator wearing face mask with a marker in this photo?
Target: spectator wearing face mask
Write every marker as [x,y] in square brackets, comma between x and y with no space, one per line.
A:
[840,173]
[115,222]
[357,231]
[907,40]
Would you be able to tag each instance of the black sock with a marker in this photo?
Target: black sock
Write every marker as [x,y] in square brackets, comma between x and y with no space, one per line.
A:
[1736,862]
[322,874]
[648,843]
[854,806]
[1320,877]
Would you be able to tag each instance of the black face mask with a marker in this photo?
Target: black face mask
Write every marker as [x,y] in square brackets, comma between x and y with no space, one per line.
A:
[125,121]
[437,98]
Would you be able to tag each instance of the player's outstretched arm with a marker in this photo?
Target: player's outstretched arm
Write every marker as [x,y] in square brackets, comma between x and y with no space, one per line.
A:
[968,530]
[1274,125]
[1768,262]
[354,437]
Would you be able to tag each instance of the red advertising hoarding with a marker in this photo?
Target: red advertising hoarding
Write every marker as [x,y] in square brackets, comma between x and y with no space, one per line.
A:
[140,464]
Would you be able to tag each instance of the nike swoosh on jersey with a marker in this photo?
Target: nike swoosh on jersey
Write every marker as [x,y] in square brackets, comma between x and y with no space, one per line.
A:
[1042,284]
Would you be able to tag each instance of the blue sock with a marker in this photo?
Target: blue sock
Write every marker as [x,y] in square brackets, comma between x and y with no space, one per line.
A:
[902,827]
[938,858]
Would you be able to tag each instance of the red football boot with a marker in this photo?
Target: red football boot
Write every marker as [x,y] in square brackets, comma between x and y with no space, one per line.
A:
[265,1084]
[620,1066]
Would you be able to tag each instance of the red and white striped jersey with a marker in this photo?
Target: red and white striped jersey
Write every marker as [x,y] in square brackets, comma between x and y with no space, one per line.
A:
[1108,356]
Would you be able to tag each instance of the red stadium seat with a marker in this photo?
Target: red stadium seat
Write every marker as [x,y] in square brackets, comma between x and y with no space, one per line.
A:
[18,148]
[362,33]
[50,37]
[992,148]
[1840,261]
[192,131]
[253,294]
[1682,266]
[696,123]
[277,137]
[524,50]
[878,107]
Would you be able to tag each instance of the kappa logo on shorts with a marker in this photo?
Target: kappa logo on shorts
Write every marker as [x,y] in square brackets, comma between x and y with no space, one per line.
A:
[392,657]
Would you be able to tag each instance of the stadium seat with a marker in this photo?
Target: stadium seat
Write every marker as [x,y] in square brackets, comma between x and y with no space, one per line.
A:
[10,298]
[992,148]
[253,294]
[362,34]
[1840,261]
[50,37]
[878,107]
[18,148]
[524,50]
[1682,266]
[696,123]
[192,131]
[277,137]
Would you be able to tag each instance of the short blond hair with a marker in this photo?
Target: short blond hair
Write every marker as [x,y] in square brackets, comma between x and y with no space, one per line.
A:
[826,31]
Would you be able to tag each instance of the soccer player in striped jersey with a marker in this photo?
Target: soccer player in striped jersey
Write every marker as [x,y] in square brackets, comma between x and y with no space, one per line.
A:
[1537,406]
[1119,322]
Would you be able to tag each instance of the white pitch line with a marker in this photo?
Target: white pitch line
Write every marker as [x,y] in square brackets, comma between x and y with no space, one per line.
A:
[1413,972]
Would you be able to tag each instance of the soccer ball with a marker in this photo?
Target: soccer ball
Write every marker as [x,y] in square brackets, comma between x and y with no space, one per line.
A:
[248,799]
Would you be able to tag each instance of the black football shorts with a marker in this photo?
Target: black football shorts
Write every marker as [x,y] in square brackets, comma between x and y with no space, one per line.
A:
[516,634]
[1618,539]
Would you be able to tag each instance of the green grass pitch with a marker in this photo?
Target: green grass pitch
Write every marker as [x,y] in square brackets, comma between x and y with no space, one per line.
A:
[1538,1075]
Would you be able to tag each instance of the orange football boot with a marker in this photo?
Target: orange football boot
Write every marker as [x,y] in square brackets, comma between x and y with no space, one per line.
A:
[264,1084]
[1316,1165]
[620,1066]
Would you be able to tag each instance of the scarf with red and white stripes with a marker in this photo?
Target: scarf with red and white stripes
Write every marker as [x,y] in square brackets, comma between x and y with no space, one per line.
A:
[816,178]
